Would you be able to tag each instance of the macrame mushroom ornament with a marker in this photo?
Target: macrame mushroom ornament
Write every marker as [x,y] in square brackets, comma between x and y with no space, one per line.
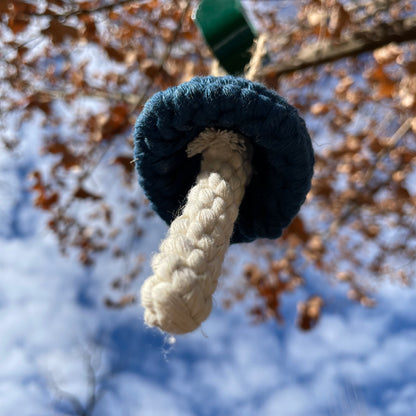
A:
[222,160]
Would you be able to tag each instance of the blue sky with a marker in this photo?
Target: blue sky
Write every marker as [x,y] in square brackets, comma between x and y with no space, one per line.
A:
[54,328]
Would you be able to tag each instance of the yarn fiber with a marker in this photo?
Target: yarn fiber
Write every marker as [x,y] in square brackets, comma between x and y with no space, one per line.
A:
[282,152]
[178,297]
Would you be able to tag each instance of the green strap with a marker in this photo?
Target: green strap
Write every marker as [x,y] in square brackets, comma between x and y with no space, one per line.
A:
[227,31]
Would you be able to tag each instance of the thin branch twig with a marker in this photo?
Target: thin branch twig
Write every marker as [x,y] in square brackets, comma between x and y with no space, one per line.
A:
[91,92]
[82,12]
[394,139]
[359,42]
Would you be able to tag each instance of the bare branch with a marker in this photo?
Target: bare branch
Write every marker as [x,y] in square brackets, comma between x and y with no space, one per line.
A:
[358,43]
[353,206]
[178,28]
[134,99]
[63,395]
[94,394]
[82,12]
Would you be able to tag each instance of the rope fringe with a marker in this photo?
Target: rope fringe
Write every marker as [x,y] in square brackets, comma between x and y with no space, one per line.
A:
[216,138]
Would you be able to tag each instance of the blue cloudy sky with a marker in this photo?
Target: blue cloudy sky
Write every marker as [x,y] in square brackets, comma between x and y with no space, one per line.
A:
[55,334]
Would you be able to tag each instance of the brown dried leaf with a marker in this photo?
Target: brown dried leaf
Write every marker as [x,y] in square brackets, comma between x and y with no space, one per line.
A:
[90,29]
[4,6]
[88,5]
[20,7]
[18,24]
[189,35]
[319,109]
[402,193]
[413,124]
[115,54]
[309,312]
[117,121]
[59,3]
[386,90]
[410,67]
[58,31]
[45,198]
[372,230]
[85,259]
[150,67]
[360,296]
[296,230]
[125,161]
[150,5]
[322,188]
[387,54]
[113,15]
[108,213]
[253,274]
[82,193]
[344,276]
[124,301]
[68,159]
[338,21]
[377,74]
[376,145]
[40,100]
[344,84]
[315,244]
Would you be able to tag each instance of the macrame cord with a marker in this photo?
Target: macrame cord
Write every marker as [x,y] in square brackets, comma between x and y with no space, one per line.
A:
[178,296]
[258,52]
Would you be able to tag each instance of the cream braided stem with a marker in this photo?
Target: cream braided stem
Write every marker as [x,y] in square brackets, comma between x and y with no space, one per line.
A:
[178,297]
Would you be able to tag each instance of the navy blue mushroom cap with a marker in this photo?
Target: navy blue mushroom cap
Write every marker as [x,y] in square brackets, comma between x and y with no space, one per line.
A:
[282,151]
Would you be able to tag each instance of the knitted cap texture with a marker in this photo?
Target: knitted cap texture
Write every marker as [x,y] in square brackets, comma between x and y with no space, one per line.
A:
[282,151]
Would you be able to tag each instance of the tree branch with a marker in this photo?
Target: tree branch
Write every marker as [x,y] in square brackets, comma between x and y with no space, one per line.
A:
[351,207]
[80,11]
[358,43]
[53,94]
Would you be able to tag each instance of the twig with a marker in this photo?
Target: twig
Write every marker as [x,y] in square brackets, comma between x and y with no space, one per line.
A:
[378,5]
[93,396]
[359,42]
[392,142]
[178,29]
[81,12]
[69,397]
[133,99]
[167,52]
[92,384]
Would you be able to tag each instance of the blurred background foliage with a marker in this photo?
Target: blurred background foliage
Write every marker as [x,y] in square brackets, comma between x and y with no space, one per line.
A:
[84,69]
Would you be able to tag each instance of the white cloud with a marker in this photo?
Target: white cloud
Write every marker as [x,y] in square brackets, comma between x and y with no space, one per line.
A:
[236,369]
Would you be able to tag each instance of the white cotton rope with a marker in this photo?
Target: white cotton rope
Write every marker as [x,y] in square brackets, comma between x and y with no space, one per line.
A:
[178,297]
[259,51]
